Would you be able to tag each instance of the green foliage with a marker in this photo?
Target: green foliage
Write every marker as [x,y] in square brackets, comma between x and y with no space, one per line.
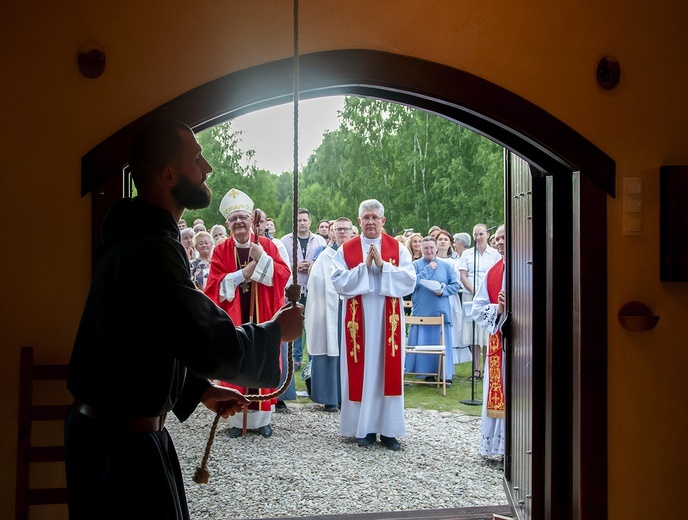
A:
[425,169]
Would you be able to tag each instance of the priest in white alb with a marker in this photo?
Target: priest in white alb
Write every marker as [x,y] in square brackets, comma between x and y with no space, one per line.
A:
[372,273]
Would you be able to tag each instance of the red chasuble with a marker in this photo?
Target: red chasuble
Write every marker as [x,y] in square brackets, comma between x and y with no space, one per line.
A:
[354,326]
[495,390]
[269,299]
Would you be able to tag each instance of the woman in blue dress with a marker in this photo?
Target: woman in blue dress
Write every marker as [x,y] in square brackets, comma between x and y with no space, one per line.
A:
[433,301]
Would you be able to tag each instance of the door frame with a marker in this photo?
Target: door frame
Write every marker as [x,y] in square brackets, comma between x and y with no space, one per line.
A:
[575,430]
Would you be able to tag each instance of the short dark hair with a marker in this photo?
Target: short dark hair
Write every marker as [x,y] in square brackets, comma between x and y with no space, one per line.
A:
[155,144]
[303,210]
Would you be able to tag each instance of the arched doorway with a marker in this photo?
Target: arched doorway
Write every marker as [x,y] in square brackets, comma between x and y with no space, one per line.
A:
[567,414]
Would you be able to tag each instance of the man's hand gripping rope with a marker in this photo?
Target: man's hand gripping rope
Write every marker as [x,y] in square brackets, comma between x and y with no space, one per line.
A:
[226,401]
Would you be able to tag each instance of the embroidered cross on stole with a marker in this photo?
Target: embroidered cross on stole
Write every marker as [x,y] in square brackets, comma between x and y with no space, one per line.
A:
[354,326]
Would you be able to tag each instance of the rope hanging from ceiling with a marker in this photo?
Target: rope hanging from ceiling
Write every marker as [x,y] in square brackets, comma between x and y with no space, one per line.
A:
[202,475]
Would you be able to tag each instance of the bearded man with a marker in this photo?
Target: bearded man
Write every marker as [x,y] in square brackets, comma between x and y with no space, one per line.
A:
[132,363]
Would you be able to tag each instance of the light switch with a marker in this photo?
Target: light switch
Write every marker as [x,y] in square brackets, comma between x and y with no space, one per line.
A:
[632,205]
[631,226]
[632,186]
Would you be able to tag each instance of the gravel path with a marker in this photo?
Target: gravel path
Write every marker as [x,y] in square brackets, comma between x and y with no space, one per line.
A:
[307,468]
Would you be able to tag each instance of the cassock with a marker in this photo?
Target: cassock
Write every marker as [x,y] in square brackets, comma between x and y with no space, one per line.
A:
[375,412]
[322,330]
[225,288]
[485,307]
[162,367]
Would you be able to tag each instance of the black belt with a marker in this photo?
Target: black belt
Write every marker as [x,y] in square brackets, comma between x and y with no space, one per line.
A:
[132,424]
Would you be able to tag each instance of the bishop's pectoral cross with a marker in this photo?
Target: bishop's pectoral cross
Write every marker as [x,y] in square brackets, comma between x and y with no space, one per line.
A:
[246,284]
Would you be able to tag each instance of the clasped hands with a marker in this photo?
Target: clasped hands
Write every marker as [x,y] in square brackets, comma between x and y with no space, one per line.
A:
[374,257]
[303,266]
[255,252]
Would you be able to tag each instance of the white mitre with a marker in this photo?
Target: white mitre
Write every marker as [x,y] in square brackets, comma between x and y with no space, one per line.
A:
[235,200]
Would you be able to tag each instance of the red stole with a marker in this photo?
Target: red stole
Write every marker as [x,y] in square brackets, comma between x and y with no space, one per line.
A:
[354,326]
[495,389]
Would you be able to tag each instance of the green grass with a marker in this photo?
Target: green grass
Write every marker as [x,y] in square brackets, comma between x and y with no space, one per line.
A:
[428,397]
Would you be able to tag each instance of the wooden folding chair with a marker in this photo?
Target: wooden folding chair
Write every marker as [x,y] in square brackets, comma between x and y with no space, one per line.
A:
[437,350]
[28,453]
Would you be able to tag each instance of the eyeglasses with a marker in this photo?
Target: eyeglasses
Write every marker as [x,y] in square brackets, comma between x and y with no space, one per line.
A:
[371,219]
[342,229]
[238,218]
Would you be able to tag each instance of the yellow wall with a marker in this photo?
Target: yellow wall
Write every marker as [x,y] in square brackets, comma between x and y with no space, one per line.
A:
[540,50]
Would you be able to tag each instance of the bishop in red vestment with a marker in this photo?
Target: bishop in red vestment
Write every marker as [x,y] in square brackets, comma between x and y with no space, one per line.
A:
[247,279]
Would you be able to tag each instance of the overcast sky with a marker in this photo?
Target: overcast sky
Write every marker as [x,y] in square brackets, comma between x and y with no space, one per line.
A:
[270,132]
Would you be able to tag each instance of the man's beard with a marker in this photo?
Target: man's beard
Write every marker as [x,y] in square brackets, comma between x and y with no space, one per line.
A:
[190,195]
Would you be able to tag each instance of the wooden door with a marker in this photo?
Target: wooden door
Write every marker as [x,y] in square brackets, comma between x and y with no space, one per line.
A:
[518,344]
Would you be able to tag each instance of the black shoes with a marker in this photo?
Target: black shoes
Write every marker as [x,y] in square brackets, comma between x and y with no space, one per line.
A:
[234,432]
[281,406]
[391,443]
[331,408]
[368,440]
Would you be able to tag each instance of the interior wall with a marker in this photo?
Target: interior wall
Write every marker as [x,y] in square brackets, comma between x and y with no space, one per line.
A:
[544,52]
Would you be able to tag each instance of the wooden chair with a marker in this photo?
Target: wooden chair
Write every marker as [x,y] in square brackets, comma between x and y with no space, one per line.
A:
[437,350]
[27,452]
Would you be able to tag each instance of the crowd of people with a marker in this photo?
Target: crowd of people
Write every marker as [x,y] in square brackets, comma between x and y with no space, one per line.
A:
[449,259]
[233,289]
